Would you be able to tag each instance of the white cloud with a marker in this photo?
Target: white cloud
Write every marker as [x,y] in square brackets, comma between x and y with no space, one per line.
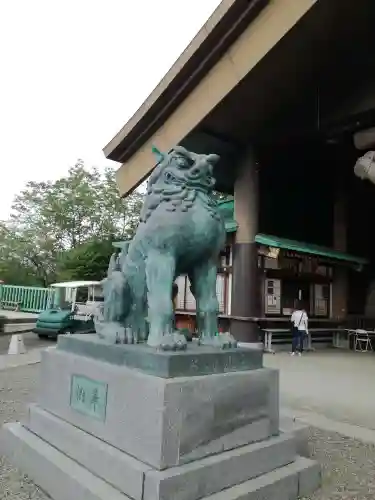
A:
[73,72]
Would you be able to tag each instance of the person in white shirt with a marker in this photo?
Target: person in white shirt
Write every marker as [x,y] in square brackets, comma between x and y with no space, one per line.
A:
[300,328]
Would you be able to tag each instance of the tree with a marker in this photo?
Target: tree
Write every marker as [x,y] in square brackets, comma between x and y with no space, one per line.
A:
[50,219]
[20,262]
[88,261]
[83,205]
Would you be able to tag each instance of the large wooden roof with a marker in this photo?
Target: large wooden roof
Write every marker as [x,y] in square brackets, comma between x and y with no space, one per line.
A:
[225,25]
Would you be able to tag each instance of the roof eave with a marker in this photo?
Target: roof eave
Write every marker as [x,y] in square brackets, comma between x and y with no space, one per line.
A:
[225,25]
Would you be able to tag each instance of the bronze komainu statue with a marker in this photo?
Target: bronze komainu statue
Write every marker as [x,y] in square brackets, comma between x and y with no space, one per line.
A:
[181,231]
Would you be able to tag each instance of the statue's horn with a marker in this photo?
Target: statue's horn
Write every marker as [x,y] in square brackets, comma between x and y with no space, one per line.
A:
[159,155]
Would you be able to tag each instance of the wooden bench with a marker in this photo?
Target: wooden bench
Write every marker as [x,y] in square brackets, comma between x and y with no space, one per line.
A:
[11,304]
[269,337]
[277,336]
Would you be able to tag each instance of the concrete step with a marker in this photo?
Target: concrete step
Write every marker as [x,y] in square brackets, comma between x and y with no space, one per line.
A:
[122,471]
[69,463]
[296,480]
[59,476]
[209,475]
[300,432]
[190,481]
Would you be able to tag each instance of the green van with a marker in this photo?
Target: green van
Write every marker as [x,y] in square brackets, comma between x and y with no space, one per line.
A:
[71,310]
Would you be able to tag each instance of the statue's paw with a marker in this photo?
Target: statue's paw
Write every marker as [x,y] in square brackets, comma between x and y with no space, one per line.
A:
[173,342]
[180,341]
[228,340]
[129,337]
[221,341]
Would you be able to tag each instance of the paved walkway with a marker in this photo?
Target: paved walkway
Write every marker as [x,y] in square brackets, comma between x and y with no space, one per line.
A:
[30,340]
[17,314]
[12,361]
[332,385]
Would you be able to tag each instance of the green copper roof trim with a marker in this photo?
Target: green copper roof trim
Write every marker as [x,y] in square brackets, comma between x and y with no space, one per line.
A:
[227,203]
[309,248]
[231,226]
[226,208]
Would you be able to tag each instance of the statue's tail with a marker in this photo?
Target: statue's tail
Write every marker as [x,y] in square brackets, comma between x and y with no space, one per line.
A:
[117,300]
[113,264]
[116,262]
[125,247]
[123,253]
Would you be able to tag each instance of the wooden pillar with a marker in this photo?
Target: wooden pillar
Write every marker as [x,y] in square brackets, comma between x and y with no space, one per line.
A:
[340,273]
[245,286]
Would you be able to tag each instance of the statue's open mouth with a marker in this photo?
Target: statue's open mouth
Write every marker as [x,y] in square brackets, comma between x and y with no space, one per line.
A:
[202,182]
[172,179]
[193,181]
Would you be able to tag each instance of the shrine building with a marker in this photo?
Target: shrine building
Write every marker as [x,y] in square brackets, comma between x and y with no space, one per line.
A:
[283,91]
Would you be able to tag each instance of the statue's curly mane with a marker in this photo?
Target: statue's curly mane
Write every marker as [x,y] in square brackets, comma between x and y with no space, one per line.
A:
[176,196]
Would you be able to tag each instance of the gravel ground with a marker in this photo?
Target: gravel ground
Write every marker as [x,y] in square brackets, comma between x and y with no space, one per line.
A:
[17,389]
[348,465]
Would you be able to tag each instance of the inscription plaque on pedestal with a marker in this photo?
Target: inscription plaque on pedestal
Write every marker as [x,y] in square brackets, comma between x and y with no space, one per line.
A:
[89,397]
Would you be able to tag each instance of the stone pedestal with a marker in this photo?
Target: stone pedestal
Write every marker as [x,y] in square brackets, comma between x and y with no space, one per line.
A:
[117,423]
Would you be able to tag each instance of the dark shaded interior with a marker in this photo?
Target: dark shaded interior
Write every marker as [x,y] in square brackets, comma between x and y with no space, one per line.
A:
[299,108]
[297,194]
[296,189]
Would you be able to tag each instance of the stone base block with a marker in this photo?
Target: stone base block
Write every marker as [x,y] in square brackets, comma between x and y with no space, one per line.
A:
[196,360]
[59,476]
[69,463]
[163,422]
[300,432]
[296,480]
[186,482]
[104,431]
[216,473]
[107,462]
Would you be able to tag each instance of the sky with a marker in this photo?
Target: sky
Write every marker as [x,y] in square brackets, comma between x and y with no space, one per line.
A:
[72,72]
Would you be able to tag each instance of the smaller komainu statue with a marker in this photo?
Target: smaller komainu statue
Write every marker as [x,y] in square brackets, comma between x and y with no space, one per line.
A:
[181,231]
[110,318]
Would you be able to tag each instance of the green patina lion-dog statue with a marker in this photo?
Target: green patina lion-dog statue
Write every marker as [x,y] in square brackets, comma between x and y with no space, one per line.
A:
[181,231]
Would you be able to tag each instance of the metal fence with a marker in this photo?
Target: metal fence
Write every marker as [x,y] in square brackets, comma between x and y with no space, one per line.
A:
[28,298]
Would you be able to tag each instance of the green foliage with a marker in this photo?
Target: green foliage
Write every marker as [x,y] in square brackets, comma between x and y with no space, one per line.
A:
[55,224]
[88,261]
[20,261]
